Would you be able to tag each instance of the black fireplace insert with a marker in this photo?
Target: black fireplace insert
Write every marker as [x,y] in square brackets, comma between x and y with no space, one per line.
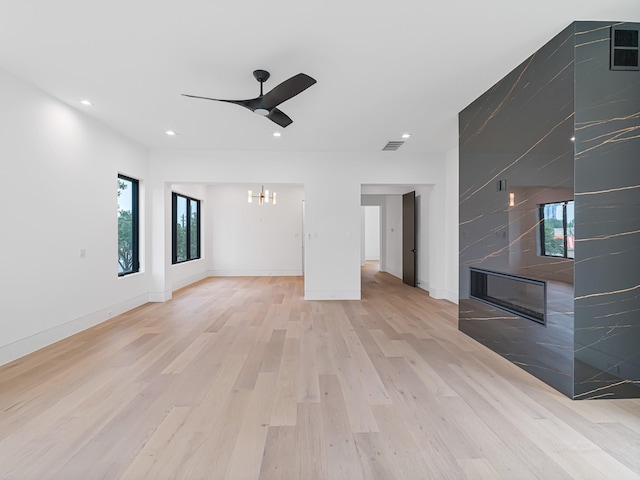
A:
[522,296]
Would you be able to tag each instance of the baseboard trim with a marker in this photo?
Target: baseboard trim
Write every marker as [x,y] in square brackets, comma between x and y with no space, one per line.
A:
[423,285]
[395,274]
[442,294]
[254,273]
[25,346]
[159,297]
[185,282]
[332,295]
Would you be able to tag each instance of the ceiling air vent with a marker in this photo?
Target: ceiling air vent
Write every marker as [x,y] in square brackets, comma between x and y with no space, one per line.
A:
[392,146]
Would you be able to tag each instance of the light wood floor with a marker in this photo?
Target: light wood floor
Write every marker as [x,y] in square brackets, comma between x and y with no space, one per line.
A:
[240,378]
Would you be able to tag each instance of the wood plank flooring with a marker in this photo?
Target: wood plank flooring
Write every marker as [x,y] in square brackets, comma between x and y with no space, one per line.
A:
[240,378]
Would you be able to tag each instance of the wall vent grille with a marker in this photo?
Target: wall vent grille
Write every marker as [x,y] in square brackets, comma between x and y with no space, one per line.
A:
[624,48]
[392,146]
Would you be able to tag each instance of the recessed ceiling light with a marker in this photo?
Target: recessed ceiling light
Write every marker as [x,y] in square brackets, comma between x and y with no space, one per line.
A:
[406,135]
[86,102]
[573,139]
[277,134]
[171,133]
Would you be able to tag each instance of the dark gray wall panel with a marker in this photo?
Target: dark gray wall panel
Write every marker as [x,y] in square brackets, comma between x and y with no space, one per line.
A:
[607,184]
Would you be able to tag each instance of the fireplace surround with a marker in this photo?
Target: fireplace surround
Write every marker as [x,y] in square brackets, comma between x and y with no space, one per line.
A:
[561,127]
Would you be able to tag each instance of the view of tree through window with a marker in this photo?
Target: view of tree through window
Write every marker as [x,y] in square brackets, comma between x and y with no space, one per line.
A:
[194,227]
[186,228]
[127,225]
[557,229]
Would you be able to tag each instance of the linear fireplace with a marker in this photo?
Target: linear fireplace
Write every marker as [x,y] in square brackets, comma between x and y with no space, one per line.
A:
[522,296]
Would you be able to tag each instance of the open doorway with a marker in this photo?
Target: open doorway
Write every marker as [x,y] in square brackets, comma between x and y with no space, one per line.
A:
[389,200]
[251,238]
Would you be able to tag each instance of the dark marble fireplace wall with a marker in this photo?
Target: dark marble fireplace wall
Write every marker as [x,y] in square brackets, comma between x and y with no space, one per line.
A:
[607,195]
[517,136]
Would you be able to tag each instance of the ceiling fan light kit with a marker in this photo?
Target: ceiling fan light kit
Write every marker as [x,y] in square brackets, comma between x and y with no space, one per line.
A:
[266,104]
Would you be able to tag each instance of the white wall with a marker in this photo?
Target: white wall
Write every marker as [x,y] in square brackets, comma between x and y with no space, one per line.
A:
[362,235]
[423,237]
[251,239]
[380,201]
[393,234]
[59,195]
[372,233]
[450,226]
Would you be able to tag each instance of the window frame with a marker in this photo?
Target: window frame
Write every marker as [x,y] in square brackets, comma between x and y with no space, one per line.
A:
[565,236]
[188,228]
[135,224]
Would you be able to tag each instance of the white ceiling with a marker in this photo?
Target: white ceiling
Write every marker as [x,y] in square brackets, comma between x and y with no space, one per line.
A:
[383,67]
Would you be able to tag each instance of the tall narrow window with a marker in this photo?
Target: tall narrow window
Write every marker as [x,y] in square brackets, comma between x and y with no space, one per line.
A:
[128,226]
[186,228]
[194,229]
[557,226]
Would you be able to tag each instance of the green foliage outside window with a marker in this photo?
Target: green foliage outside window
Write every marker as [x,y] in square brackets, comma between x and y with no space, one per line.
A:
[186,228]
[127,226]
[552,246]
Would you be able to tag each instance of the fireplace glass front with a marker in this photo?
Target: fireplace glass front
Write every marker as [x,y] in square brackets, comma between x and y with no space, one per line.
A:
[522,296]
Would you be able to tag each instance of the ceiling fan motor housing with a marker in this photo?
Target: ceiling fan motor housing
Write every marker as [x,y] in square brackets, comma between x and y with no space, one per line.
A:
[261,75]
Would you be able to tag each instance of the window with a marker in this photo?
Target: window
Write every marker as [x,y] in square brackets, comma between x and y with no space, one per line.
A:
[557,225]
[128,226]
[186,228]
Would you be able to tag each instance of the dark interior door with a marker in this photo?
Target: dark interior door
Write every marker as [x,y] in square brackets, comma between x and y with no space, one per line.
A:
[409,238]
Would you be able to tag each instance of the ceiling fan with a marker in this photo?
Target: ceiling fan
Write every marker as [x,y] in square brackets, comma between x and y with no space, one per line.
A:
[266,103]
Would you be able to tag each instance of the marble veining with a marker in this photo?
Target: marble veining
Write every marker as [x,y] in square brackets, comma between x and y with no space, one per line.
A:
[529,150]
[608,190]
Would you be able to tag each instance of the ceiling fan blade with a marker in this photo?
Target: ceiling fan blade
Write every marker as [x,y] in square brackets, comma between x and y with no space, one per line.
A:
[269,101]
[275,115]
[244,103]
[287,89]
[279,117]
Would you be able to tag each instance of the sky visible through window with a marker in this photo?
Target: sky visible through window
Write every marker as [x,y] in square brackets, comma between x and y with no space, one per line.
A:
[124,199]
[556,211]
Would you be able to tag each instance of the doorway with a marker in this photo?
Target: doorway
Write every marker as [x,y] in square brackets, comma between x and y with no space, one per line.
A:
[389,200]
[409,238]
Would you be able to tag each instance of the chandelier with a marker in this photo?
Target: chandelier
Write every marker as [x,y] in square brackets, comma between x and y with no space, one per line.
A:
[263,197]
